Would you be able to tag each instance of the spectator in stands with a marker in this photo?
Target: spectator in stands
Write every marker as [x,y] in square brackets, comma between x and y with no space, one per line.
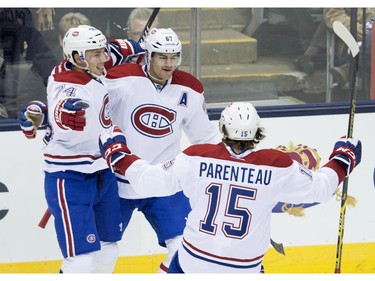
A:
[314,56]
[340,73]
[285,31]
[21,45]
[137,21]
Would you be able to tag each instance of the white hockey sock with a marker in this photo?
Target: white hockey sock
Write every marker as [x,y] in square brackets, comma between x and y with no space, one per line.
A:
[172,245]
[83,263]
[106,258]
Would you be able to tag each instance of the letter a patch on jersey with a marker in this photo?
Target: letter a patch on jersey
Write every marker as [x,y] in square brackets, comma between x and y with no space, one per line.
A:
[183,99]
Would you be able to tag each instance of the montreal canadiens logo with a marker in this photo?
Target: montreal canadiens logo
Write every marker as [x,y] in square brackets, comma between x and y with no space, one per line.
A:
[91,238]
[153,120]
[104,116]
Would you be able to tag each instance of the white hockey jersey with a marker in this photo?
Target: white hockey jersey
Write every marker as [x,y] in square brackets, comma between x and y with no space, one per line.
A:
[76,150]
[232,196]
[152,120]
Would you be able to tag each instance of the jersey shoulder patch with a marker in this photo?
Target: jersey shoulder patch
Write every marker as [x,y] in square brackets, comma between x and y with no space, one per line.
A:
[217,151]
[270,157]
[183,78]
[267,157]
[125,70]
[73,76]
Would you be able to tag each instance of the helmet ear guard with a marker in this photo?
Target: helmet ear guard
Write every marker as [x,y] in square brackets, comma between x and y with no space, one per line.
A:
[239,121]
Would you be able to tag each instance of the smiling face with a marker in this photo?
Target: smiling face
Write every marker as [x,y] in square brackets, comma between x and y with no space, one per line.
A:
[94,61]
[162,66]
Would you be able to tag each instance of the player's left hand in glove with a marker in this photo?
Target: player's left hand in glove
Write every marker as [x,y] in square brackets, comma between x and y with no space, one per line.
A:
[71,114]
[112,144]
[349,152]
[33,116]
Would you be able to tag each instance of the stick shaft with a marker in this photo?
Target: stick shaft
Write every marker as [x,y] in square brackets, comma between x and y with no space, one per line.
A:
[340,236]
[44,220]
[148,24]
[353,80]
[146,29]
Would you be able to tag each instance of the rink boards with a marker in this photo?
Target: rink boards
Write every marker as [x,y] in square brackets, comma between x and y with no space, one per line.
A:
[309,241]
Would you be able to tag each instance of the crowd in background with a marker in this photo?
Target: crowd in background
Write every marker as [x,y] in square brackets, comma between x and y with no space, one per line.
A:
[30,43]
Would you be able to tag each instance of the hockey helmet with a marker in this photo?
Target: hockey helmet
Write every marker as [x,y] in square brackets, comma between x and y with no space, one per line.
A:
[239,121]
[81,39]
[162,40]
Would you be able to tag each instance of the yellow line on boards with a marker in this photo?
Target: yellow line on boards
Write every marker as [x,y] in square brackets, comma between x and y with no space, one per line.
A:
[134,264]
[357,258]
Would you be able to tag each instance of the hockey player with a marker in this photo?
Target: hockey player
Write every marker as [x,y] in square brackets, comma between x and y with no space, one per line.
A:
[118,51]
[232,189]
[155,103]
[81,191]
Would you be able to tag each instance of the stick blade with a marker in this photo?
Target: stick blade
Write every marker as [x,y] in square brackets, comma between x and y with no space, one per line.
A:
[279,247]
[345,35]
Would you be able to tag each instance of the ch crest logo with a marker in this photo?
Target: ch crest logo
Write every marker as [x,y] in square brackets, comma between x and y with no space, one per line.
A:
[104,117]
[153,120]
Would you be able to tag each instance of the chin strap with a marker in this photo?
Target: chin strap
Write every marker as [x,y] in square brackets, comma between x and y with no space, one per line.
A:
[87,70]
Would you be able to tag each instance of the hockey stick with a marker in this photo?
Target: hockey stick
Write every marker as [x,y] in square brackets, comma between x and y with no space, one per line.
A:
[342,32]
[279,247]
[146,29]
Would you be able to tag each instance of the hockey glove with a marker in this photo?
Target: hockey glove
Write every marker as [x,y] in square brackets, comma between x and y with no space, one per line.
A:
[123,50]
[112,144]
[349,152]
[71,113]
[33,116]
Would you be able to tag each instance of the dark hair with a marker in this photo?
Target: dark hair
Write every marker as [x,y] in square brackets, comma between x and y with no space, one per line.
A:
[241,145]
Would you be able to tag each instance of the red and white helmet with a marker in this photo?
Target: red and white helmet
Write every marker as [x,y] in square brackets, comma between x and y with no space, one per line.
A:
[81,39]
[240,120]
[162,40]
